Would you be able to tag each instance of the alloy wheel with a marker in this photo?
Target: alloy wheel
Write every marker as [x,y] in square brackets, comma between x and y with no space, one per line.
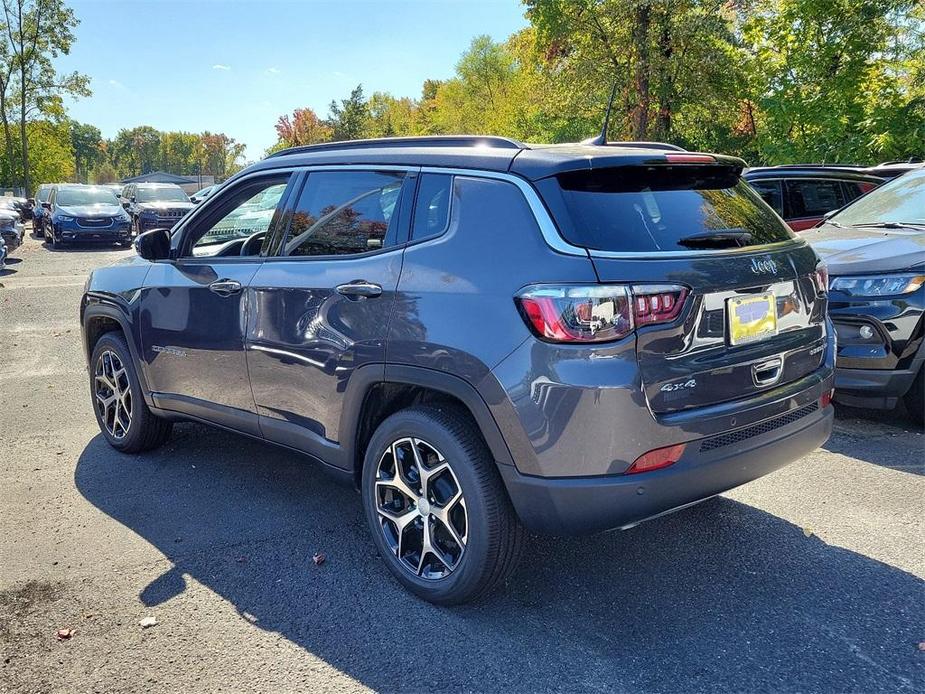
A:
[113,393]
[421,508]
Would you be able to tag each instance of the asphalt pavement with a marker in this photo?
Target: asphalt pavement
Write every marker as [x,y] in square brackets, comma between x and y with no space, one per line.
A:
[808,580]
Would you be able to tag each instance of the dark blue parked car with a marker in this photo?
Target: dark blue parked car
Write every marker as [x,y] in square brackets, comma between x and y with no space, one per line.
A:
[155,205]
[482,335]
[78,213]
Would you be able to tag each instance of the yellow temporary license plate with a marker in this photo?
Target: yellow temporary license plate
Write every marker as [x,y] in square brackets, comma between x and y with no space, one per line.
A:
[751,318]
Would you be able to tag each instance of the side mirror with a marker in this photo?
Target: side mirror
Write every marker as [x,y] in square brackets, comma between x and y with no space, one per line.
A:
[31,201]
[153,245]
[46,205]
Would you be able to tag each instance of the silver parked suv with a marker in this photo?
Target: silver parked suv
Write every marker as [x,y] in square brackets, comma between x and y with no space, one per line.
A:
[482,335]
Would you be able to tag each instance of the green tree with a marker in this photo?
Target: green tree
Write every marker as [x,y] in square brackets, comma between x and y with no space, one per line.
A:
[136,151]
[179,153]
[838,80]
[37,31]
[85,140]
[52,156]
[348,119]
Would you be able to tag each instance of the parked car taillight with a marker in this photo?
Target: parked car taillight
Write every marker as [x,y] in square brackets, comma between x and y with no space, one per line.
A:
[597,313]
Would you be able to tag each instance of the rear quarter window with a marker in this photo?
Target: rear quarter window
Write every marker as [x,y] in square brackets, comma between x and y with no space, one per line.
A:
[645,209]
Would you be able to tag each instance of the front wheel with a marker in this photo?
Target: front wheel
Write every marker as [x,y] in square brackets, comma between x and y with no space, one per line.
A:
[121,412]
[436,506]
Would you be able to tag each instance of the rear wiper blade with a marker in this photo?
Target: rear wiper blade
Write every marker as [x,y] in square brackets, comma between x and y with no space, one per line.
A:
[713,239]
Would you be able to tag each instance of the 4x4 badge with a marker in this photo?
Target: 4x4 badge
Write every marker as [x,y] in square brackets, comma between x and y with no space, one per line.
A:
[764,266]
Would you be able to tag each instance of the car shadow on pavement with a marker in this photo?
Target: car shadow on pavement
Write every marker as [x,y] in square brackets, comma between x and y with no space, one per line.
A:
[721,596]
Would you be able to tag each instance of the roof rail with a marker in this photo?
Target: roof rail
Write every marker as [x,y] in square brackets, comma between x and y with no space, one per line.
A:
[648,145]
[423,141]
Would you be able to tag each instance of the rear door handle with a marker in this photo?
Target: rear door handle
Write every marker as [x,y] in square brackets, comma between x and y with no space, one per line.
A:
[359,289]
[225,287]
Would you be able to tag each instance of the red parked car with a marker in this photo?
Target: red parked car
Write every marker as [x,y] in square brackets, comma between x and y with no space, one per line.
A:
[803,194]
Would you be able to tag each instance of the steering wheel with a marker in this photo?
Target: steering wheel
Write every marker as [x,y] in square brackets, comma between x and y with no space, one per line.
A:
[253,243]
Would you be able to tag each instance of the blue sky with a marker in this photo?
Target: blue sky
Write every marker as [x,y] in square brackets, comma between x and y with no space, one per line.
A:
[235,66]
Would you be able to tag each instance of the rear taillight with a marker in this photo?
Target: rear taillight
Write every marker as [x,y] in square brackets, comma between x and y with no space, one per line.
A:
[659,458]
[822,279]
[565,313]
[597,313]
[657,303]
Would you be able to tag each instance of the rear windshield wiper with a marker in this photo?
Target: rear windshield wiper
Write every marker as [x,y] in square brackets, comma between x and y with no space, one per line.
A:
[717,239]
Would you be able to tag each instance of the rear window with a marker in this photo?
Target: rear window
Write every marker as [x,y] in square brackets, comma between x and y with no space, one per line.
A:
[636,209]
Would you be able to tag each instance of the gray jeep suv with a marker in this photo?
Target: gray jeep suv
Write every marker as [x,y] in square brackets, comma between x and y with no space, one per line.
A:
[481,335]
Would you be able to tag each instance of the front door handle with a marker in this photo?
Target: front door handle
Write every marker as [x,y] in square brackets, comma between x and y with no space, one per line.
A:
[359,289]
[225,287]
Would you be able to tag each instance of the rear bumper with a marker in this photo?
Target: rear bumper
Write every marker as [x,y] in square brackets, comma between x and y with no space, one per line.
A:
[581,505]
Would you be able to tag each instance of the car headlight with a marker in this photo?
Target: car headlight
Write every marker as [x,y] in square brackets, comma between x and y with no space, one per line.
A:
[65,218]
[877,285]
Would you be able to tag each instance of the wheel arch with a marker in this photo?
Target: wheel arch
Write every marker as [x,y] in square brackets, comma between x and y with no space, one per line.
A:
[102,318]
[375,393]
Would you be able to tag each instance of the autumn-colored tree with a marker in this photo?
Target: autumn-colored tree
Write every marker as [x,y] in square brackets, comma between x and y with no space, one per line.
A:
[303,128]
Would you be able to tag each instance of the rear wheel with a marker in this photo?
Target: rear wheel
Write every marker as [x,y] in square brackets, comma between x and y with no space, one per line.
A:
[123,417]
[436,506]
[915,398]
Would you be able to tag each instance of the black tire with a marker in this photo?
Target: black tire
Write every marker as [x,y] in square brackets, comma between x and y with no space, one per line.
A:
[915,398]
[144,430]
[494,534]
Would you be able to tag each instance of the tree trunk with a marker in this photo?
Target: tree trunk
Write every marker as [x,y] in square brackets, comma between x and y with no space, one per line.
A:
[7,138]
[665,86]
[642,21]
[26,177]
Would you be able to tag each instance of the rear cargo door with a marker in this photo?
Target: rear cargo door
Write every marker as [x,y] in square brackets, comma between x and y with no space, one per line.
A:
[754,313]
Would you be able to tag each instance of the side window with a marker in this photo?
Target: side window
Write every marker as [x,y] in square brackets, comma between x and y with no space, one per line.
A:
[240,222]
[432,208]
[770,192]
[854,190]
[345,213]
[813,198]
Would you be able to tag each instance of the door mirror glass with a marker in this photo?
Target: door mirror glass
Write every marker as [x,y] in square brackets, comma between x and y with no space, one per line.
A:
[46,205]
[153,245]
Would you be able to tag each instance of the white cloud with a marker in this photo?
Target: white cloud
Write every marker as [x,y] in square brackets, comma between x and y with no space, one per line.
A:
[273,70]
[219,66]
[117,83]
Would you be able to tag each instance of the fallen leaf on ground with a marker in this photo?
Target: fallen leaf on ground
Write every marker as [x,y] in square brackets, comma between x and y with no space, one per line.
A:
[64,634]
[807,532]
[147,622]
[318,558]
[922,646]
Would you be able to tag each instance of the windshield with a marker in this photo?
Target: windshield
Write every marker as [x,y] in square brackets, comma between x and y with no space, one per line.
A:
[900,200]
[635,209]
[162,194]
[42,194]
[85,196]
